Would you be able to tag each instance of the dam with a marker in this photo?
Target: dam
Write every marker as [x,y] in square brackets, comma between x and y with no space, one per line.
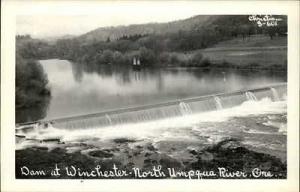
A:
[171,109]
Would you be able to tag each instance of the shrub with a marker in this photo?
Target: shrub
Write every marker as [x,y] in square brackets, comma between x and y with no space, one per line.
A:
[118,58]
[147,56]
[205,62]
[164,58]
[107,57]
[196,59]
[174,59]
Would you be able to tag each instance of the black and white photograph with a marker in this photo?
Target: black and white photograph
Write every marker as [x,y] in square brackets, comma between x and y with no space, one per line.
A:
[133,92]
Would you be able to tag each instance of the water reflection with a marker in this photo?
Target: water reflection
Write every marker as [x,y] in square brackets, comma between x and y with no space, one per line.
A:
[33,113]
[82,89]
[77,71]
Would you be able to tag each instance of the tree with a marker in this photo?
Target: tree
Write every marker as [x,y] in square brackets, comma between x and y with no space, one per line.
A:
[107,57]
[147,56]
[271,31]
[244,31]
[118,58]
[197,58]
[31,83]
[164,58]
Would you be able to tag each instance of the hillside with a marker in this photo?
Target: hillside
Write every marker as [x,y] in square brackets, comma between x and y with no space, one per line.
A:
[101,34]
[155,43]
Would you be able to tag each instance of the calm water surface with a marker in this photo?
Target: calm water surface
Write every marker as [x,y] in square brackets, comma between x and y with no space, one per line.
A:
[77,89]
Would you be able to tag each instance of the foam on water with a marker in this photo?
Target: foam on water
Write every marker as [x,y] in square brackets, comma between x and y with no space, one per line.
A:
[262,132]
[178,128]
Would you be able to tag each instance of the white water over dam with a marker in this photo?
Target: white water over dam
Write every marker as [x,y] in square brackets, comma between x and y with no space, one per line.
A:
[170,109]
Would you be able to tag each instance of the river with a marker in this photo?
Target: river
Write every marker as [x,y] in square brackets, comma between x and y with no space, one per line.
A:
[78,89]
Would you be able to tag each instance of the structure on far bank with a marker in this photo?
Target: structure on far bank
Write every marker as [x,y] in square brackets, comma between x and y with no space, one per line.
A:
[136,63]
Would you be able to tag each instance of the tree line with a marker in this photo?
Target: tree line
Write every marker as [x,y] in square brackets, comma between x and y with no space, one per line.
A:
[31,83]
[153,49]
[159,49]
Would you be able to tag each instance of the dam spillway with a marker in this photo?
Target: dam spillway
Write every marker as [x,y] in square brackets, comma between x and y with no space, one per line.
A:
[166,110]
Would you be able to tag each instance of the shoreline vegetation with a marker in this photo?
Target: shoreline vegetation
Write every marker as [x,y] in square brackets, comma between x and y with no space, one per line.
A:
[31,83]
[32,93]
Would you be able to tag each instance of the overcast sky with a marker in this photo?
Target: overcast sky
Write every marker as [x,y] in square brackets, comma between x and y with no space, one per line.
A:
[54,21]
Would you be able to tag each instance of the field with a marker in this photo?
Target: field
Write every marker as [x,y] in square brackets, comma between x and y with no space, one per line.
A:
[256,51]
[265,57]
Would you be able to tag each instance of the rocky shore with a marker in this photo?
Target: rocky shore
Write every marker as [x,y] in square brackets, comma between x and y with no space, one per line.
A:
[252,147]
[227,159]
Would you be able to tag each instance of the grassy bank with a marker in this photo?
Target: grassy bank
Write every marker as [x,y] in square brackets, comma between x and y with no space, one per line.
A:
[257,52]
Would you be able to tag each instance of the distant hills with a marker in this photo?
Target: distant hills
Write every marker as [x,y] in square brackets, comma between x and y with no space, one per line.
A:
[227,25]
[103,33]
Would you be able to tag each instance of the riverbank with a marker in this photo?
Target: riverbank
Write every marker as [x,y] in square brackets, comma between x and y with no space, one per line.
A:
[32,90]
[255,53]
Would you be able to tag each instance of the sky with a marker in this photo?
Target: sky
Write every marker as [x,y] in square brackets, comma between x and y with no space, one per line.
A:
[75,19]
